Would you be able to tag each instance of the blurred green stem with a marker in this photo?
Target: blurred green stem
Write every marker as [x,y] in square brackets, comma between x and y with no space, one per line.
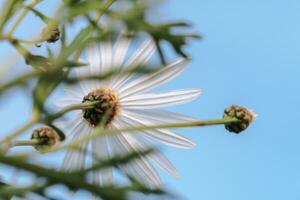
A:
[19,80]
[106,6]
[36,118]
[22,15]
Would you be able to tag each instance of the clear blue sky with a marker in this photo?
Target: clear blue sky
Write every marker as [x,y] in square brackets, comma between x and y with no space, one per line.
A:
[249,56]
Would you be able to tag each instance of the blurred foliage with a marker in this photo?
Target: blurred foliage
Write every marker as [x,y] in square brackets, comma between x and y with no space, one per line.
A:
[49,72]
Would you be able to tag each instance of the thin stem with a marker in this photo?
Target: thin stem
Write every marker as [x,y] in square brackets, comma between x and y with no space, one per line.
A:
[22,15]
[100,131]
[79,106]
[37,119]
[19,80]
[106,6]
[25,143]
[100,13]
[22,129]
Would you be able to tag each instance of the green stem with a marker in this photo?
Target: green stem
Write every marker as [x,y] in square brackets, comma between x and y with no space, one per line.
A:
[19,80]
[49,119]
[100,131]
[79,106]
[22,16]
[22,129]
[25,143]
[55,177]
[100,13]
[106,6]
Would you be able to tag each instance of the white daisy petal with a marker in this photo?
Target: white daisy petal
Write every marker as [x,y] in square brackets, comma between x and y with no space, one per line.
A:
[150,101]
[142,164]
[75,159]
[94,59]
[163,136]
[106,56]
[148,82]
[100,150]
[138,143]
[159,116]
[141,56]
[73,91]
[129,169]
[85,85]
[120,49]
[66,101]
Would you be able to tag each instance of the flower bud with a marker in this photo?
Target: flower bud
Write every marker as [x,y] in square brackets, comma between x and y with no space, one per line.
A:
[244,115]
[47,138]
[51,34]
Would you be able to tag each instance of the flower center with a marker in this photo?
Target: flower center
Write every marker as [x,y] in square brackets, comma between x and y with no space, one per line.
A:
[105,110]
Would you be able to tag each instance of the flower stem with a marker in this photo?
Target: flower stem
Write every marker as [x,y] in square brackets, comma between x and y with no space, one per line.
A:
[79,106]
[25,143]
[22,15]
[100,131]
[106,6]
[22,129]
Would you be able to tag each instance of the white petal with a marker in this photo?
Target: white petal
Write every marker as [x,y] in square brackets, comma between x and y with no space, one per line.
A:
[73,91]
[142,165]
[66,101]
[141,56]
[75,159]
[106,56]
[138,143]
[86,86]
[120,49]
[151,81]
[163,136]
[150,101]
[94,59]
[159,116]
[101,152]
[129,168]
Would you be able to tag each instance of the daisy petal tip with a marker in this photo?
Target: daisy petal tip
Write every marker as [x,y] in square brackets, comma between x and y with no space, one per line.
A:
[198,92]
[190,145]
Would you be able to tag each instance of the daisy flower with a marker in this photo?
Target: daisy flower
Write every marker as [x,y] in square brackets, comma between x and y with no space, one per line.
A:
[129,104]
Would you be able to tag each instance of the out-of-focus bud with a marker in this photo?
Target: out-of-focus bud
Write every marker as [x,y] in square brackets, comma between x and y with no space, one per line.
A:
[47,138]
[244,116]
[51,34]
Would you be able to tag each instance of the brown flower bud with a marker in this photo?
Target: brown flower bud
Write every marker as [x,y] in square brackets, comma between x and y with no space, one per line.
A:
[244,115]
[47,138]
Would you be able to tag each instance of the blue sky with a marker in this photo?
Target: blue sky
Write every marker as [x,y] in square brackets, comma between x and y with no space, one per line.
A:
[249,55]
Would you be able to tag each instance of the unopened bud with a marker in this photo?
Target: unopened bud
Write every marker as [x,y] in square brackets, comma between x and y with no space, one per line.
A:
[51,34]
[47,138]
[244,116]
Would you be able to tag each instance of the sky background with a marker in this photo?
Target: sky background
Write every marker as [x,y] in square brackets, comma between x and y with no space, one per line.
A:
[249,56]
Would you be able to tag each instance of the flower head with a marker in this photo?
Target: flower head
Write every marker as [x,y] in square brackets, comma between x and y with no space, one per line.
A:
[124,101]
[105,111]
